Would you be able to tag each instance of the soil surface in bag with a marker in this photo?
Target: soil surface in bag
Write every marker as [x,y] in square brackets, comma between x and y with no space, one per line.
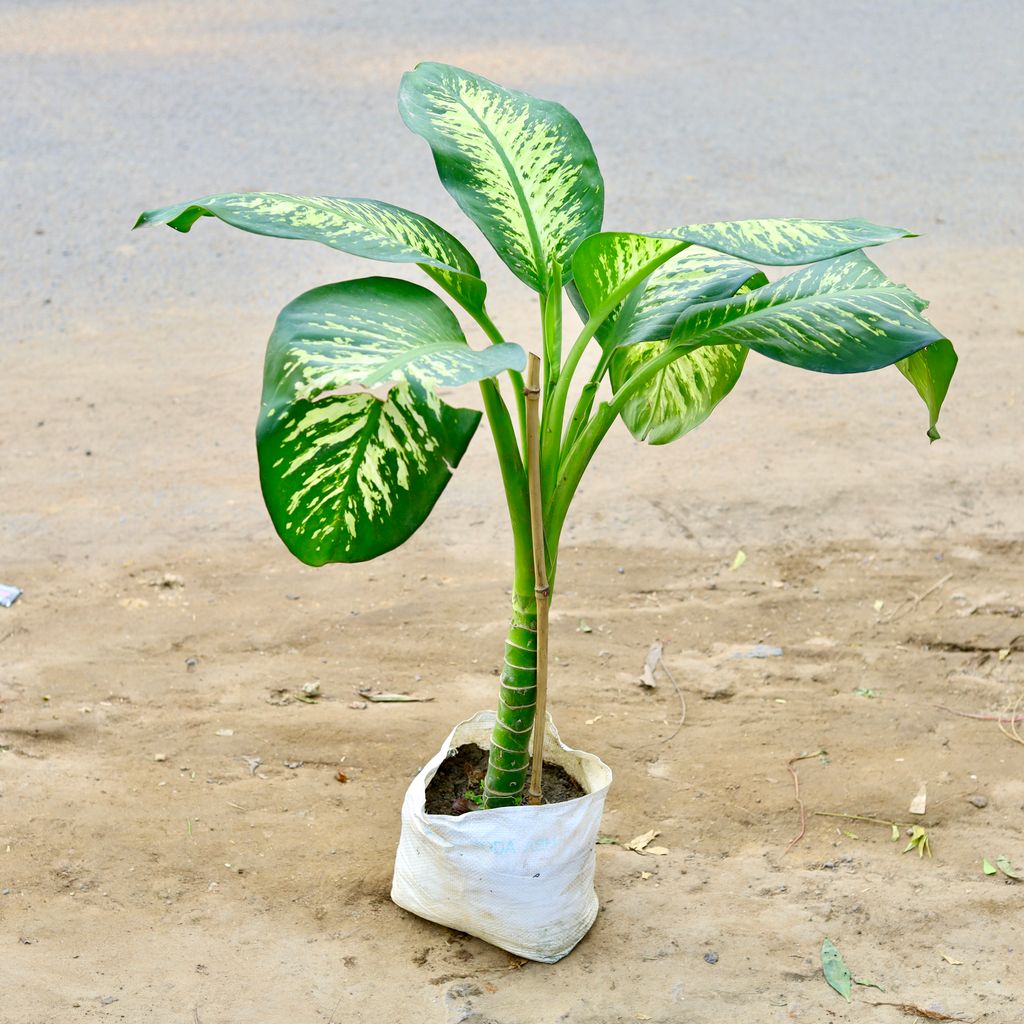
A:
[463,771]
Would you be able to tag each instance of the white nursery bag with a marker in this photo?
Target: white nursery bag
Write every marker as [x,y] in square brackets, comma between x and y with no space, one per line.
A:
[521,878]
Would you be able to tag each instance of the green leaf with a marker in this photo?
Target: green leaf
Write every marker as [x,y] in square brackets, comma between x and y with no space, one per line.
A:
[652,308]
[360,227]
[520,168]
[835,970]
[1004,865]
[837,316]
[349,477]
[683,394]
[987,866]
[919,841]
[371,331]
[930,370]
[610,264]
[786,242]
[868,984]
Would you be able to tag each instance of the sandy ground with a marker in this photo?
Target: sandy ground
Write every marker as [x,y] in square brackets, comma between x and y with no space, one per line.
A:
[151,871]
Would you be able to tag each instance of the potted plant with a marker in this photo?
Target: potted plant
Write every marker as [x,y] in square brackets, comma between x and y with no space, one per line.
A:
[670,315]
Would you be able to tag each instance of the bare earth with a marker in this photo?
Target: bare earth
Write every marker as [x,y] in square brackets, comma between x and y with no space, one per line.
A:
[174,843]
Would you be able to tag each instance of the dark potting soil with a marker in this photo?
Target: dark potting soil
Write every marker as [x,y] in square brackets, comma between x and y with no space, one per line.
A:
[463,771]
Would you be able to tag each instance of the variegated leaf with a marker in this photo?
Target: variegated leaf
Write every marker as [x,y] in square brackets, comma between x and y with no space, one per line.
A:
[930,370]
[368,332]
[786,242]
[360,227]
[348,477]
[610,264]
[837,316]
[685,392]
[683,395]
[520,168]
[650,311]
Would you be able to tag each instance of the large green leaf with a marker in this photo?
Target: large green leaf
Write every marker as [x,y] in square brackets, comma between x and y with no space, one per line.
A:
[370,331]
[684,393]
[786,242]
[520,168]
[837,316]
[349,477]
[650,311]
[610,264]
[930,370]
[360,227]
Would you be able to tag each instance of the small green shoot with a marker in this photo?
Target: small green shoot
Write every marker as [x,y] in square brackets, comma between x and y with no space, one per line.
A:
[919,841]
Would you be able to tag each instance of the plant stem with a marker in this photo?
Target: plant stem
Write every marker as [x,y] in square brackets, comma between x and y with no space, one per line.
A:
[513,477]
[540,575]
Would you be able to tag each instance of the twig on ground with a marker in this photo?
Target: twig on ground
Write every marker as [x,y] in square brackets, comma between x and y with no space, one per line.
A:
[982,717]
[682,702]
[799,801]
[1012,733]
[918,1011]
[916,599]
[864,817]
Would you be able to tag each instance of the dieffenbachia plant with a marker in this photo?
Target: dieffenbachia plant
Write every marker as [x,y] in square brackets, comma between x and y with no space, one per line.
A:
[348,474]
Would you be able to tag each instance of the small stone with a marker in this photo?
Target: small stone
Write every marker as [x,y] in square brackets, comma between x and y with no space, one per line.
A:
[311,689]
[358,705]
[978,800]
[716,689]
[190,664]
[711,957]
[159,757]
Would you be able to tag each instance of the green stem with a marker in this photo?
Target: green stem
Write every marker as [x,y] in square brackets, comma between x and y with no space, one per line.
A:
[496,338]
[509,756]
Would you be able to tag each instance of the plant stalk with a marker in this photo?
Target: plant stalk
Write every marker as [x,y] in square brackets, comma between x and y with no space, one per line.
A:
[540,573]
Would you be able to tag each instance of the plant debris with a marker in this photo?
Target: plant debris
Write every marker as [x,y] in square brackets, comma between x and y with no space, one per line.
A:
[1004,865]
[912,1010]
[796,790]
[837,974]
[639,843]
[390,698]
[340,776]
[741,557]
[919,841]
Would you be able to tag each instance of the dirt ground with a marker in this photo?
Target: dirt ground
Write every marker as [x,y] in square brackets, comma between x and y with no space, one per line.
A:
[174,844]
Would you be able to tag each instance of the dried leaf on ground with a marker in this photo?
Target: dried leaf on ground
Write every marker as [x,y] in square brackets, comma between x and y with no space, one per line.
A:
[912,1010]
[837,974]
[390,698]
[950,960]
[639,844]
